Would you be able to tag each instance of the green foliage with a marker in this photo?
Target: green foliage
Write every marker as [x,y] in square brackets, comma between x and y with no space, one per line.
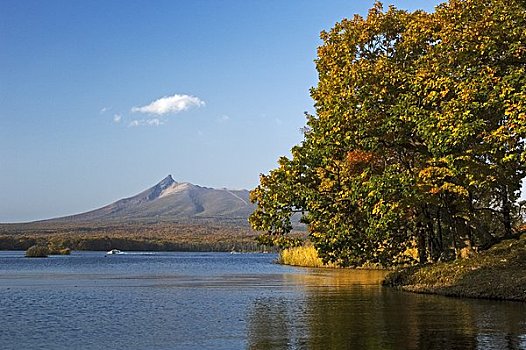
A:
[281,241]
[418,137]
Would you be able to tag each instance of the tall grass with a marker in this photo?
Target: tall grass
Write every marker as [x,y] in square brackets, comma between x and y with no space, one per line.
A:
[305,255]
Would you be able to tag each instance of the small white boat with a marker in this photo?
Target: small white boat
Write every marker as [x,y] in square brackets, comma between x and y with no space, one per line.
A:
[113,252]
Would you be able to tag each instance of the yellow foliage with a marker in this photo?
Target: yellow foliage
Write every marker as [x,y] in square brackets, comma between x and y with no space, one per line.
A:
[305,255]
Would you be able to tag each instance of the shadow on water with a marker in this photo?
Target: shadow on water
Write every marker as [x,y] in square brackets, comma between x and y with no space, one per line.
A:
[348,310]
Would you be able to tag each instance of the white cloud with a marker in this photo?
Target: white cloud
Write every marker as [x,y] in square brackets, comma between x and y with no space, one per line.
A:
[170,104]
[224,118]
[154,122]
[117,118]
[146,122]
[104,110]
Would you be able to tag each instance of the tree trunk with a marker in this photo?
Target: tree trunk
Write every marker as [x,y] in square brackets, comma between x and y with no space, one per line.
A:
[506,212]
[440,236]
[430,235]
[421,243]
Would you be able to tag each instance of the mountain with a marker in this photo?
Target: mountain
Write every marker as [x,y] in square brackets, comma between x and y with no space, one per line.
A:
[173,201]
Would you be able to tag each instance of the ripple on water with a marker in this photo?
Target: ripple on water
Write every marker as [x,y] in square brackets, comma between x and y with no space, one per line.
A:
[223,301]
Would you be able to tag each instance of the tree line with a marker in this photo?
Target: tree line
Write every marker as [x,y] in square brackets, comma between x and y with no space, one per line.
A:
[151,236]
[417,140]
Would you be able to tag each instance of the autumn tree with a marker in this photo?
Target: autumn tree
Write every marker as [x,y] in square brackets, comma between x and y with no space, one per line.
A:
[467,104]
[418,135]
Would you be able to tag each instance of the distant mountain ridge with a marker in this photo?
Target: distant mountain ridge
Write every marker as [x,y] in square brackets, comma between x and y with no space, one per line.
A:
[174,201]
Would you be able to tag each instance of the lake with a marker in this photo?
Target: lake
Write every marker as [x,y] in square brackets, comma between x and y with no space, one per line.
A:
[231,301]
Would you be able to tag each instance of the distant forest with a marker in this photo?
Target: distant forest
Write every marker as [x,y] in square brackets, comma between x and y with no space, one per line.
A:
[161,236]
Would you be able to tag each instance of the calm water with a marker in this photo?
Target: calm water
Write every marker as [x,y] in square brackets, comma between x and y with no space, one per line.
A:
[225,301]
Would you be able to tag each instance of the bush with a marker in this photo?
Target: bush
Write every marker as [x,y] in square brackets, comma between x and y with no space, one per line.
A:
[305,255]
[54,250]
[64,251]
[37,251]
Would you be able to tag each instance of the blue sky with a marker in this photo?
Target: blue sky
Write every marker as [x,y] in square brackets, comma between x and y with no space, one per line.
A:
[83,121]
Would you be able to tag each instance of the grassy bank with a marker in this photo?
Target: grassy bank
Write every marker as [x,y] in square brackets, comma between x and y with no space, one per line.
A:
[498,273]
[305,256]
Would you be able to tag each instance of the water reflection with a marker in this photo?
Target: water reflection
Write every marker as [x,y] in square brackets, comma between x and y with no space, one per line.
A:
[232,301]
[348,310]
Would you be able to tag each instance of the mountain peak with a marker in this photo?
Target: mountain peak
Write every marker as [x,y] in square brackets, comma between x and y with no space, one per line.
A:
[166,182]
[169,200]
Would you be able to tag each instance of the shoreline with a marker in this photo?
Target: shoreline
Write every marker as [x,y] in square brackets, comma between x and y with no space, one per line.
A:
[498,273]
